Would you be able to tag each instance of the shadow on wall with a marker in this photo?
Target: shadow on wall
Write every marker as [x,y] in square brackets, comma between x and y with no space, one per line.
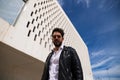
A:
[16,65]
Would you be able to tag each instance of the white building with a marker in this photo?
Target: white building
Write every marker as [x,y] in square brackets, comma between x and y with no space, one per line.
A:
[25,45]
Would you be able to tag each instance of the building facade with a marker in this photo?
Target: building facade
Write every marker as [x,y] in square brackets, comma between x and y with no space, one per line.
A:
[25,45]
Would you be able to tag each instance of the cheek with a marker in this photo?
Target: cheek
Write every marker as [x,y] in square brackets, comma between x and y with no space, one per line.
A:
[61,40]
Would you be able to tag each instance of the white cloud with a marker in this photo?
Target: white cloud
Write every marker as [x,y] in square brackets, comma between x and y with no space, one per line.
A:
[108,4]
[105,58]
[102,62]
[98,53]
[114,71]
[114,25]
[61,2]
[87,2]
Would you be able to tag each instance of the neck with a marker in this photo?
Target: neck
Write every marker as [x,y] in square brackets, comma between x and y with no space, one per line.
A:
[56,48]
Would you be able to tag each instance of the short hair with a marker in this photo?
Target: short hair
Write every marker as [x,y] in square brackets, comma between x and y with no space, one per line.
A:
[58,30]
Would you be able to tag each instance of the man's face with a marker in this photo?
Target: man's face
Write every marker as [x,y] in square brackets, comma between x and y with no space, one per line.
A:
[57,39]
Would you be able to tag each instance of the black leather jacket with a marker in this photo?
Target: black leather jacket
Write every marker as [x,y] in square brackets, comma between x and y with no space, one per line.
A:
[69,66]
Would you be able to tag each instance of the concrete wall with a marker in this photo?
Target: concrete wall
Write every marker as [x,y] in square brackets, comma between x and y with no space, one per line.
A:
[31,35]
[16,65]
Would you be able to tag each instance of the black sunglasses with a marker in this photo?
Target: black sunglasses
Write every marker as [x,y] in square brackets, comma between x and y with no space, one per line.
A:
[58,36]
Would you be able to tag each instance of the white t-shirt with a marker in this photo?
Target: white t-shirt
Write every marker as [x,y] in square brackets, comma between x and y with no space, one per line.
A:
[54,64]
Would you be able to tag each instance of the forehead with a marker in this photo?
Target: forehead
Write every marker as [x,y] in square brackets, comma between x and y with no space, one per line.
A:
[56,33]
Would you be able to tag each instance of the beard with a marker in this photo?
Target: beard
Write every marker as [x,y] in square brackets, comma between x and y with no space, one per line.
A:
[57,43]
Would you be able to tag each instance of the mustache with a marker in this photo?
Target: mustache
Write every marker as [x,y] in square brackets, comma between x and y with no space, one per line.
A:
[56,40]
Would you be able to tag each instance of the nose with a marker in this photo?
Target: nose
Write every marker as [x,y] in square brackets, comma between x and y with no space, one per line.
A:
[56,37]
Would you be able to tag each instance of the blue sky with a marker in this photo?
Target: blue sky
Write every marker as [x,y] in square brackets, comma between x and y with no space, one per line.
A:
[98,23]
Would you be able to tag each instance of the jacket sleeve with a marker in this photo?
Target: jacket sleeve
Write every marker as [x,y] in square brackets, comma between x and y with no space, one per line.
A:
[76,67]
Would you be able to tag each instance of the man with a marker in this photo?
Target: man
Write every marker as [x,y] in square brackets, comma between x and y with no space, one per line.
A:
[63,62]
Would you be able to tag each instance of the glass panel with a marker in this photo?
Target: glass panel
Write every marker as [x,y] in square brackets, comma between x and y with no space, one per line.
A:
[10,9]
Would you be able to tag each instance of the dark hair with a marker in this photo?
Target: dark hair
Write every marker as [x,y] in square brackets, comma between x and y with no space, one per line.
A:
[58,30]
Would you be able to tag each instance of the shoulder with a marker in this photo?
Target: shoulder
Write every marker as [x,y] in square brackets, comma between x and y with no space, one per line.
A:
[69,48]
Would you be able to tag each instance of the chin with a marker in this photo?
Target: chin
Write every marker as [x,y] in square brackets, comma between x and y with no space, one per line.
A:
[57,45]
